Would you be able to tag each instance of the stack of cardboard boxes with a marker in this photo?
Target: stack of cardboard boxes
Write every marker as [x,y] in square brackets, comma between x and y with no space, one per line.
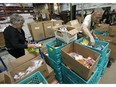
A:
[43,29]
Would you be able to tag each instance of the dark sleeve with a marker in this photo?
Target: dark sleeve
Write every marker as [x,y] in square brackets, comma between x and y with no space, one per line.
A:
[11,36]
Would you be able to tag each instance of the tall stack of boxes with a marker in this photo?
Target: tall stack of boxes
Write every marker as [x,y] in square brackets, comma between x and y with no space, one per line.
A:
[43,29]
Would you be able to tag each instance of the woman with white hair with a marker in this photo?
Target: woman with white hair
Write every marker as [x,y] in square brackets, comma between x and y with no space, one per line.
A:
[14,36]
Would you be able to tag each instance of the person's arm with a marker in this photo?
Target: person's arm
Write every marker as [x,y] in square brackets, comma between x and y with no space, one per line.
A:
[87,32]
[12,40]
[85,28]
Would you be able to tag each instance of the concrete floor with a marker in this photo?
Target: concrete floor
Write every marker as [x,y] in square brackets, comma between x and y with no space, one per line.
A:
[109,76]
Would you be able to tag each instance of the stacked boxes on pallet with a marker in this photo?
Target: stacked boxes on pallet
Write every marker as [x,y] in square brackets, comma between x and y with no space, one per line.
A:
[105,52]
[54,56]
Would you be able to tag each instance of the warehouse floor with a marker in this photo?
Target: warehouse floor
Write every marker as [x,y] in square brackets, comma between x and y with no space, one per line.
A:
[109,76]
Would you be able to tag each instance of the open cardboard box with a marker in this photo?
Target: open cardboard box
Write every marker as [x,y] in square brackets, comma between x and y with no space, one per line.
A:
[10,77]
[71,30]
[75,23]
[74,65]
[103,27]
[105,38]
[21,60]
[68,36]
[112,31]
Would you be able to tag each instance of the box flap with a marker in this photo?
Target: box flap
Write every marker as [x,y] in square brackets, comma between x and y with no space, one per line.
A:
[2,77]
[47,21]
[75,24]
[43,69]
[7,78]
[17,62]
[71,30]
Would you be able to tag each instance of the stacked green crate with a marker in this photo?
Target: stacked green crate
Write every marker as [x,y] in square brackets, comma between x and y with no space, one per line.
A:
[70,77]
[36,78]
[54,54]
[105,33]
[102,49]
[106,61]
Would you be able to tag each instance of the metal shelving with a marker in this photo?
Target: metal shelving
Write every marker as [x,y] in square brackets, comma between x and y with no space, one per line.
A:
[9,8]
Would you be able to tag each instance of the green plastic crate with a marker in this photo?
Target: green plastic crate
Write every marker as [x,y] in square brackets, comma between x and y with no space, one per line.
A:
[102,33]
[56,66]
[35,78]
[94,79]
[106,61]
[97,43]
[54,49]
[67,80]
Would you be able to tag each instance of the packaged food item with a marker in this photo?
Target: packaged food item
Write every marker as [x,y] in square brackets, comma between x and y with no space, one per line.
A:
[85,42]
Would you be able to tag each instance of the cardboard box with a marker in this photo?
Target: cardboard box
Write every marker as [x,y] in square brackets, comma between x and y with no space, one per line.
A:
[103,27]
[105,38]
[68,36]
[45,11]
[51,75]
[75,23]
[57,22]
[74,65]
[2,42]
[48,31]
[111,40]
[36,30]
[80,19]
[2,77]
[113,51]
[10,78]
[21,60]
[112,31]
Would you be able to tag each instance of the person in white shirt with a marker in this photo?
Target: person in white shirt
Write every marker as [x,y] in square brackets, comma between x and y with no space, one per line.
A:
[89,23]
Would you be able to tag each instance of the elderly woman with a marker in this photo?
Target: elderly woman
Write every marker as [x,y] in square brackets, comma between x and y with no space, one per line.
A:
[14,36]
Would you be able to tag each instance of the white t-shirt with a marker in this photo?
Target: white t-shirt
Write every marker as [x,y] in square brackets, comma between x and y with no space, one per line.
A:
[87,21]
